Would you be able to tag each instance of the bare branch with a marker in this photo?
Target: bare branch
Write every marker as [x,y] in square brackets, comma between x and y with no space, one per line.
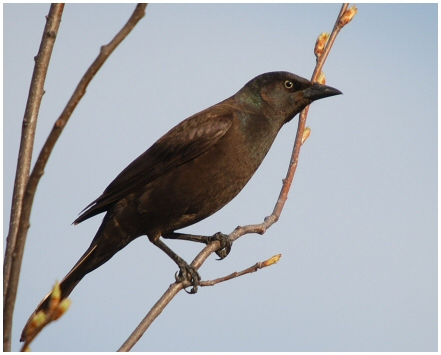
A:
[301,128]
[155,311]
[36,92]
[38,170]
[254,268]
[242,230]
[283,196]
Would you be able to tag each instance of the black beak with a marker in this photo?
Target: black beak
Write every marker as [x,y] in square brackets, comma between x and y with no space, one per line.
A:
[319,91]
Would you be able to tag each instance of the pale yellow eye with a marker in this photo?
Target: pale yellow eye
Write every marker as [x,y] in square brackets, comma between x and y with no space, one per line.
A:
[288,84]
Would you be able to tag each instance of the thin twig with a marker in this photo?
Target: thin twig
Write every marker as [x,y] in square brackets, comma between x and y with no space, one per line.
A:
[154,312]
[240,230]
[254,268]
[36,92]
[38,169]
[283,196]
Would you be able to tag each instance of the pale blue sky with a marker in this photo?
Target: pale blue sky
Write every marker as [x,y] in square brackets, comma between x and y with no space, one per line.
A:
[358,235]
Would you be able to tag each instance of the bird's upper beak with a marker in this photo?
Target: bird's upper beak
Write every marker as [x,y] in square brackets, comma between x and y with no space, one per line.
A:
[319,91]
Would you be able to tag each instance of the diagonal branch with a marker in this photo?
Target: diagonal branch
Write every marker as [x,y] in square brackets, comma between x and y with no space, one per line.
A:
[38,170]
[36,92]
[261,228]
[254,268]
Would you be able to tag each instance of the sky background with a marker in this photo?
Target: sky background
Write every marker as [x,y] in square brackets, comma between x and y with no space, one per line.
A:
[358,234]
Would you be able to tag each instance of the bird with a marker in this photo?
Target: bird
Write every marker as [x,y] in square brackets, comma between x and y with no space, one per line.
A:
[191,172]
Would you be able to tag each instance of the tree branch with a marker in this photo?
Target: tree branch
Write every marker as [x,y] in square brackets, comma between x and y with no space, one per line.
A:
[36,92]
[254,268]
[174,288]
[38,170]
[261,228]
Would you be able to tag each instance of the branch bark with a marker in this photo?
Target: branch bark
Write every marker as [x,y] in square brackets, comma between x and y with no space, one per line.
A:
[16,255]
[261,228]
[36,92]
[254,268]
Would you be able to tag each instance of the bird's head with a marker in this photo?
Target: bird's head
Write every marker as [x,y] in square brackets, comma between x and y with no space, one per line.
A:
[282,95]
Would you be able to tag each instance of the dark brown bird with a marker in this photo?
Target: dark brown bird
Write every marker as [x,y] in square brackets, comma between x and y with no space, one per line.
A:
[191,172]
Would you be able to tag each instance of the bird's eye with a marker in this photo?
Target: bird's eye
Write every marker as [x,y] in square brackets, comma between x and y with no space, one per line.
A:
[288,84]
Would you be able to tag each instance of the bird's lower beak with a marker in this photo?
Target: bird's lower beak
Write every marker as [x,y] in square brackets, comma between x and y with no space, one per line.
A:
[319,91]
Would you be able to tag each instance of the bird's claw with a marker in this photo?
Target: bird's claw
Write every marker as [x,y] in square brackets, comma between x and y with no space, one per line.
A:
[189,273]
[225,245]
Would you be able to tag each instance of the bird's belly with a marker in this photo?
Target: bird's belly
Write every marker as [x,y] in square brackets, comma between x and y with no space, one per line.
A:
[195,190]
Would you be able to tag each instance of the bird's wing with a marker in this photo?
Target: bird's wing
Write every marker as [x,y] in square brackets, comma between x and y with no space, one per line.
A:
[181,144]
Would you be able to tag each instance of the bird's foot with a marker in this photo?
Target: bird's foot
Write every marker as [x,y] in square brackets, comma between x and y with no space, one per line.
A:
[225,244]
[189,273]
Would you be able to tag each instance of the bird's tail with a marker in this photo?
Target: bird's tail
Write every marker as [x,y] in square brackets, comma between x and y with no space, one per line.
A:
[87,263]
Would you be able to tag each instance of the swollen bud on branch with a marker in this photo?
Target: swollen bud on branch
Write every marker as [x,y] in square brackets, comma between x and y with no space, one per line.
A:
[347,16]
[306,134]
[320,44]
[62,308]
[272,260]
[37,321]
[55,297]
[57,307]
[321,79]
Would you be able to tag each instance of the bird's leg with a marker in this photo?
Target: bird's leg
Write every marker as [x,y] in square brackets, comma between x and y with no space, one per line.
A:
[225,242]
[186,272]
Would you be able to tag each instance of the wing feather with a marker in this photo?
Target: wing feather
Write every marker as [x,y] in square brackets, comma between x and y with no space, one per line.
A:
[183,143]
